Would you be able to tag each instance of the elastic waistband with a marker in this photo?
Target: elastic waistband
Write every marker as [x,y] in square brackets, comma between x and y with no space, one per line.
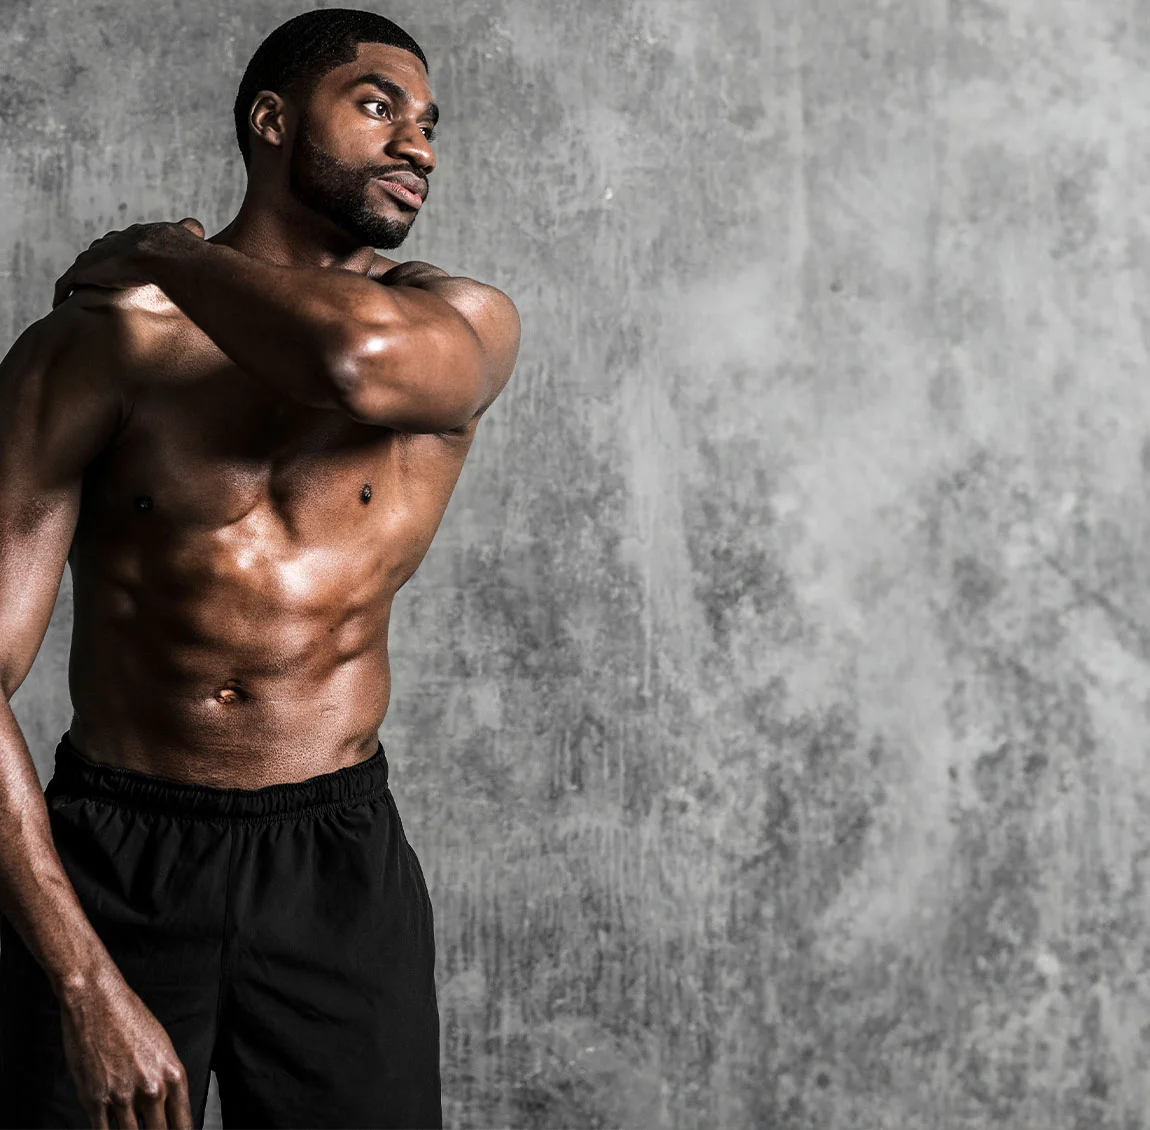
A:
[79,776]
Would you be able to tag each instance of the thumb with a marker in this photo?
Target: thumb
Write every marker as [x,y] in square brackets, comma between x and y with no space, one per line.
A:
[194,226]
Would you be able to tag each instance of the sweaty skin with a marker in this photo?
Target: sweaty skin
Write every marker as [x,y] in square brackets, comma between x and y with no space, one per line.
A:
[243,448]
[234,561]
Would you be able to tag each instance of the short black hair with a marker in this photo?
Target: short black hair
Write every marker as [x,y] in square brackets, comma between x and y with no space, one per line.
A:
[300,52]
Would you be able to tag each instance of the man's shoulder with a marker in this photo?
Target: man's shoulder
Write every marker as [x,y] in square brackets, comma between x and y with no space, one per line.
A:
[64,387]
[93,315]
[415,272]
[95,339]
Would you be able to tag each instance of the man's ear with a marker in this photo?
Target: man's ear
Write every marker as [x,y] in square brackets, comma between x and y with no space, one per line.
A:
[268,118]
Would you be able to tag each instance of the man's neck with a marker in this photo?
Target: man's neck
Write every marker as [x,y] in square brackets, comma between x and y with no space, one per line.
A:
[286,234]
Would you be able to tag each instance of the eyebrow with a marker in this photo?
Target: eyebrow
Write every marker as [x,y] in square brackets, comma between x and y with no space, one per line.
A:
[400,93]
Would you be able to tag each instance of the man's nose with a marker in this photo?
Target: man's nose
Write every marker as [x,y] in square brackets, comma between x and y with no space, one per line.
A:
[410,144]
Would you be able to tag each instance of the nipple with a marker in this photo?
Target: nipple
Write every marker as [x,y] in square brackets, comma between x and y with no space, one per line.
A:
[365,494]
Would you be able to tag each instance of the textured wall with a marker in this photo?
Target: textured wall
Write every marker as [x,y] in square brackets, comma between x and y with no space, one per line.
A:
[771,712]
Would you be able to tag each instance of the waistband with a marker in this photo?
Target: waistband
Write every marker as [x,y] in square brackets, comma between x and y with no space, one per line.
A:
[78,776]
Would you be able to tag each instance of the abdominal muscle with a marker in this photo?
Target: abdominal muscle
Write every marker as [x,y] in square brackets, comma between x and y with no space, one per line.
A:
[226,667]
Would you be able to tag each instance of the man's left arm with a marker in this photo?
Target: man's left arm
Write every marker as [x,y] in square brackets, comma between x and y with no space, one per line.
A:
[417,350]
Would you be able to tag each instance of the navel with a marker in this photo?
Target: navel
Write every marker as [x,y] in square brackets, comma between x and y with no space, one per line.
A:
[231,691]
[365,493]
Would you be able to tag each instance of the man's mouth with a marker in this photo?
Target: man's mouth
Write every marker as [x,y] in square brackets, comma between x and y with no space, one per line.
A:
[405,187]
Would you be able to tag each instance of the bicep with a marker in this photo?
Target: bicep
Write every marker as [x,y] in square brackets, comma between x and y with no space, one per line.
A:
[56,413]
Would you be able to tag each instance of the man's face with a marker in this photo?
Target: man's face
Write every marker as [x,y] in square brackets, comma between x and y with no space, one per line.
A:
[361,153]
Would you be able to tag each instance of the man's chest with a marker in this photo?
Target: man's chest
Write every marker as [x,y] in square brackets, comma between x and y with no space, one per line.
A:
[206,446]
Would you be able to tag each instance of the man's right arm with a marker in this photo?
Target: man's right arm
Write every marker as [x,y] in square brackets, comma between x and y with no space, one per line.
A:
[54,418]
[61,403]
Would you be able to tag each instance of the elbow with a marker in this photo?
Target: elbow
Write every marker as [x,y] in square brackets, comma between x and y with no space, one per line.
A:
[10,681]
[348,364]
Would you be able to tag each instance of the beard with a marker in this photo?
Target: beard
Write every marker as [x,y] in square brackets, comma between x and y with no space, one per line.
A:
[337,191]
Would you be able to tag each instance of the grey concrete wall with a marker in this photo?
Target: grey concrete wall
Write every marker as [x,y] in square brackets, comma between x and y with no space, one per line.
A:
[771,712]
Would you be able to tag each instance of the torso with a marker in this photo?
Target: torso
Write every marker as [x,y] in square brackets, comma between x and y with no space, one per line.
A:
[234,567]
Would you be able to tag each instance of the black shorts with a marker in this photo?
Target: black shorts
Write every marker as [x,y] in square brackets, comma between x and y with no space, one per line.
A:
[283,937]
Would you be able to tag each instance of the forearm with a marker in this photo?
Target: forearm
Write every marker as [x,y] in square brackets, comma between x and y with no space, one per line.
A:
[416,351]
[35,893]
[295,328]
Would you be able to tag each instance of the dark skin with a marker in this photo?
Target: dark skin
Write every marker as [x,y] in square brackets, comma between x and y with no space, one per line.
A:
[243,446]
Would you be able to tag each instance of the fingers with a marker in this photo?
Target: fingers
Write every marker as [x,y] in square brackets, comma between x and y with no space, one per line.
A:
[167,1108]
[152,1113]
[63,287]
[68,280]
[178,1108]
[159,1104]
[125,1117]
[109,260]
[155,1105]
[177,1104]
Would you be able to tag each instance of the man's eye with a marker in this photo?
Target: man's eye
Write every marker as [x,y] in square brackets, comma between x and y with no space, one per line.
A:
[428,132]
[377,102]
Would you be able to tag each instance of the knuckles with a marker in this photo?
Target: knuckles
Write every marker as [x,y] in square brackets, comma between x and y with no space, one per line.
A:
[148,1086]
[118,1096]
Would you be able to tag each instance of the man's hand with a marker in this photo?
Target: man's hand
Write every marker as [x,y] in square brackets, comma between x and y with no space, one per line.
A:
[117,260]
[121,1058]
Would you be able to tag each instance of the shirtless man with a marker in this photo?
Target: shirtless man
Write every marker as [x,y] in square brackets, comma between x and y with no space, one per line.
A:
[243,447]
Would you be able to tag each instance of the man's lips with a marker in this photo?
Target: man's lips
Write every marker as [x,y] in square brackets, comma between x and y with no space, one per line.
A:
[405,187]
